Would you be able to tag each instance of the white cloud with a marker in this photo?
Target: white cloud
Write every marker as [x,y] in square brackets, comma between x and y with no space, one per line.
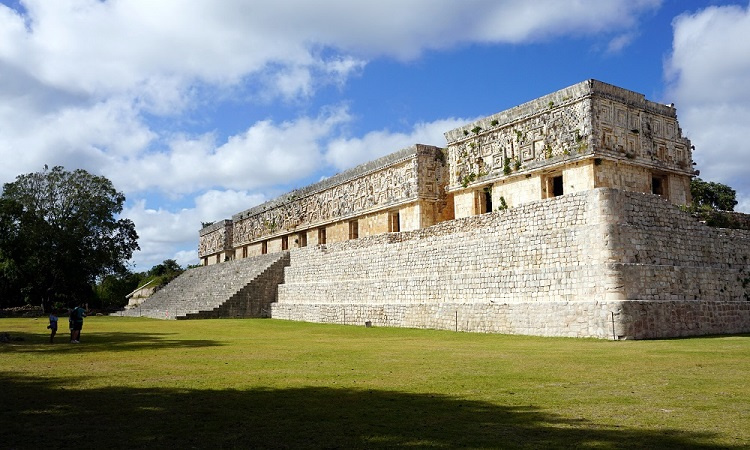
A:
[85,74]
[709,68]
[344,153]
[264,155]
[80,136]
[82,79]
[100,48]
[165,234]
[620,42]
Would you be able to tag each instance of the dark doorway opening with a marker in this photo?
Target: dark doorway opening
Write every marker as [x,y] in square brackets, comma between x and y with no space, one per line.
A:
[557,186]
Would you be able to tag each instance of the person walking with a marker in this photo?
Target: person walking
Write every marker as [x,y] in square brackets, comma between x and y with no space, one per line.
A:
[76,319]
[52,327]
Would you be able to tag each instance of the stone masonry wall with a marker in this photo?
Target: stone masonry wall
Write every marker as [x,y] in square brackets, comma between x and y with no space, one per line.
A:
[527,270]
[678,276]
[602,263]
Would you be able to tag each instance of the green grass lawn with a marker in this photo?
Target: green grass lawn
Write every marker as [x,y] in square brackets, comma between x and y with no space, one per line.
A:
[272,384]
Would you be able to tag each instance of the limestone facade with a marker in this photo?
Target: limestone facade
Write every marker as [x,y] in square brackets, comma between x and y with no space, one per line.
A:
[555,218]
[602,263]
[585,136]
[215,243]
[588,135]
[399,192]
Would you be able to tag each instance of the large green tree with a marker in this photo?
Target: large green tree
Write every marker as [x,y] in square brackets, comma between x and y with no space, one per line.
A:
[713,196]
[59,232]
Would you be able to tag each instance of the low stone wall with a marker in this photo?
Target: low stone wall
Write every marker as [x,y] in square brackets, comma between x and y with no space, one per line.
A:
[572,319]
[678,318]
[603,263]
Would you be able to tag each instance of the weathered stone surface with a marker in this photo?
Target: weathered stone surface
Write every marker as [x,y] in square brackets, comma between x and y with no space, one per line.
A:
[576,243]
[243,288]
[603,263]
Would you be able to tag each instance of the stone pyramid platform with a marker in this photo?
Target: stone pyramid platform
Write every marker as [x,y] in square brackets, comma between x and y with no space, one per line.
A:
[234,289]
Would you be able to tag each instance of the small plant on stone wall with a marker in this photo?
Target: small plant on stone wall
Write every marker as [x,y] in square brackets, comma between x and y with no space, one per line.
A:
[503,205]
[519,136]
[468,179]
[551,104]
[566,152]
[506,166]
[476,129]
[466,133]
[472,145]
[548,151]
[494,123]
[517,165]
[270,226]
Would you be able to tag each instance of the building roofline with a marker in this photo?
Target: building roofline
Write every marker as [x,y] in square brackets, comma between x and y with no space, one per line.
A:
[571,94]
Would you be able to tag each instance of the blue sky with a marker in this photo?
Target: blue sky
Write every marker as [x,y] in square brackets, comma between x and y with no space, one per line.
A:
[198,110]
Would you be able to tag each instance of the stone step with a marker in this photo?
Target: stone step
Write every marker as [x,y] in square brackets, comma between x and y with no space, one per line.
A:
[206,289]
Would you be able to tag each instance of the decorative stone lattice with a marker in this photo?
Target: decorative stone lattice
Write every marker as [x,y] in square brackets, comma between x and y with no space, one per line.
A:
[588,119]
[215,238]
[393,184]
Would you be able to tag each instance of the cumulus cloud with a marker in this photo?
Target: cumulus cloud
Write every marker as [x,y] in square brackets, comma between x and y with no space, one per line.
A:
[110,86]
[100,48]
[165,234]
[344,153]
[80,136]
[84,74]
[708,71]
[620,42]
[264,155]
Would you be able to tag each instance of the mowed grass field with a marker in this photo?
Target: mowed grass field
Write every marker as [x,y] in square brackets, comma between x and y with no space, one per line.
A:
[143,383]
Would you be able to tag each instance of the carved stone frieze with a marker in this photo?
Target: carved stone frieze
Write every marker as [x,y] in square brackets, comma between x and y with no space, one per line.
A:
[503,149]
[215,238]
[392,183]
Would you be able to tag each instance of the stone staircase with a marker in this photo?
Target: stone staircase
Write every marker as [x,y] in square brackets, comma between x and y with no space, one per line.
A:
[234,289]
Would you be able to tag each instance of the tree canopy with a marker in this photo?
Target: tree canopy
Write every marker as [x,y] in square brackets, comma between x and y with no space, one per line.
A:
[59,232]
[711,195]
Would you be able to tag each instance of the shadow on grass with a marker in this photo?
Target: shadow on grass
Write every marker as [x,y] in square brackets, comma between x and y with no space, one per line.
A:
[99,341]
[37,414]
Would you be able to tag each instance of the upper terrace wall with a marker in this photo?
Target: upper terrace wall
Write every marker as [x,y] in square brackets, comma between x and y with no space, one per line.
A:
[603,263]
[664,253]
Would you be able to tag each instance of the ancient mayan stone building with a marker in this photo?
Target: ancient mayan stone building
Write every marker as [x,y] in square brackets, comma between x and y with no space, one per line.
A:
[584,238]
[399,192]
[583,137]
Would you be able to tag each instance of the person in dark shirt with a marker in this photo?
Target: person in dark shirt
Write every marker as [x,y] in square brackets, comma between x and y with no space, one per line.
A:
[76,319]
